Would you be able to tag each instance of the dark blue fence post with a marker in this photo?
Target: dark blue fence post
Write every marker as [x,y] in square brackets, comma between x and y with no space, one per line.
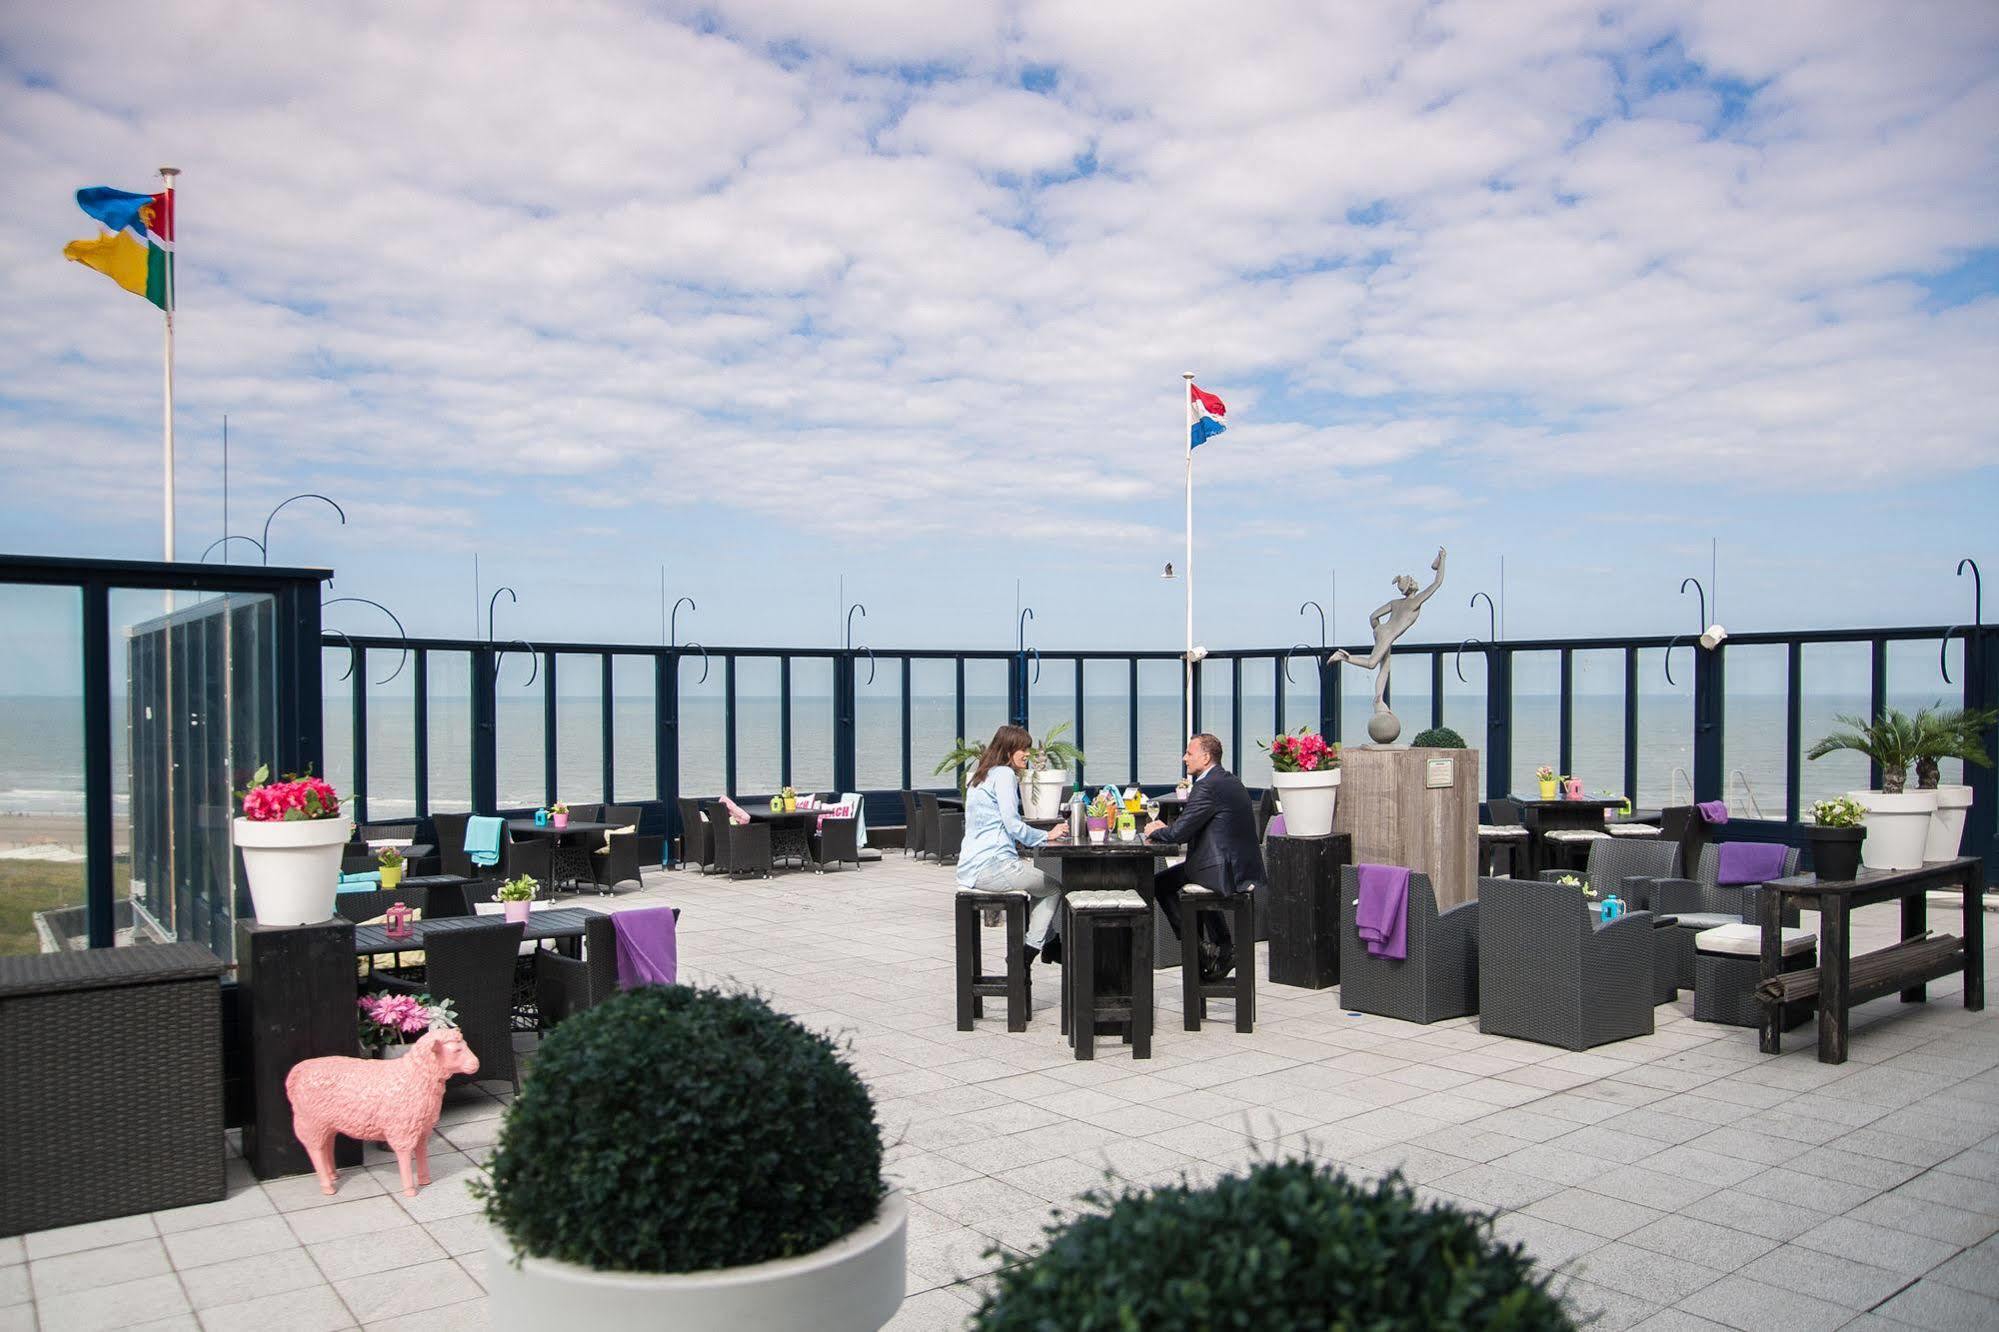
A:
[550,778]
[359,700]
[485,750]
[607,699]
[845,729]
[908,715]
[1133,718]
[729,724]
[1566,700]
[1079,718]
[1981,690]
[1329,700]
[784,717]
[420,728]
[99,889]
[1498,720]
[1436,689]
[1708,674]
[666,740]
[1631,726]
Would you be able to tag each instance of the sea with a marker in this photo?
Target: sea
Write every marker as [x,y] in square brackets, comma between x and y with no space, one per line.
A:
[41,761]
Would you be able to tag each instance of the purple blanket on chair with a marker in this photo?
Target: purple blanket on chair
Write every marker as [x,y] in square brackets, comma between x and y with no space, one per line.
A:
[1713,811]
[647,951]
[1382,917]
[1748,862]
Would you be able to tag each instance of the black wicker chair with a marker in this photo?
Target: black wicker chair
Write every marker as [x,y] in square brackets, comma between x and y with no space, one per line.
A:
[532,856]
[587,814]
[738,848]
[1266,810]
[836,842]
[694,840]
[1547,972]
[1702,903]
[449,833]
[1628,868]
[915,840]
[1439,977]
[565,986]
[943,829]
[618,859]
[474,968]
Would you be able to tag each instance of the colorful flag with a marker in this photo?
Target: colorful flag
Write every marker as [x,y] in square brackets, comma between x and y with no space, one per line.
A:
[137,250]
[1202,410]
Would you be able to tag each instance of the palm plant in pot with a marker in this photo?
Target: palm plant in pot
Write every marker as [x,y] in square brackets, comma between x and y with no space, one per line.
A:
[1306,772]
[962,756]
[689,1158]
[1048,773]
[1898,819]
[1305,1247]
[1834,836]
[1949,733]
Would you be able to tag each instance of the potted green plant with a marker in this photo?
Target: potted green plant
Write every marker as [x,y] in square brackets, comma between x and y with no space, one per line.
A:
[1289,1244]
[1545,775]
[1834,835]
[1048,771]
[689,1158]
[558,815]
[1305,770]
[1438,737]
[290,833]
[1898,819]
[517,896]
[1946,733]
[391,1023]
[1097,816]
[961,756]
[389,861]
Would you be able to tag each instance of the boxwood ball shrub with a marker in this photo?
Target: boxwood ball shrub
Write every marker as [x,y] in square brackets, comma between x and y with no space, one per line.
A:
[1438,737]
[1289,1245]
[675,1129]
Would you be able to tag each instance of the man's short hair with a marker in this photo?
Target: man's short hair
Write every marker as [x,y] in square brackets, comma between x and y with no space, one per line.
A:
[1211,745]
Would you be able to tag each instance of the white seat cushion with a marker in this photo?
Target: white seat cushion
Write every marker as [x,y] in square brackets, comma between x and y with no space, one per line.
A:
[1704,920]
[1574,835]
[1632,830]
[1747,941]
[1502,830]
[995,893]
[1105,899]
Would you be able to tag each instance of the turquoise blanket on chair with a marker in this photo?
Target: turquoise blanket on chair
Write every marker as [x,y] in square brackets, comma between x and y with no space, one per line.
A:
[482,839]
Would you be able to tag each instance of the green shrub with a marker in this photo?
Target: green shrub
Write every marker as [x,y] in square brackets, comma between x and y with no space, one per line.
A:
[1290,1245]
[673,1129]
[1438,737]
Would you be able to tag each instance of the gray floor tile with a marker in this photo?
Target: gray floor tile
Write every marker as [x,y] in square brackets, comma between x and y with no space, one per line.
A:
[250,1278]
[1597,1213]
[311,1309]
[79,1271]
[1933,1220]
[1656,1277]
[1754,1215]
[1823,1276]
[1895,1250]
[1739,1302]
[1702,1242]
[119,1305]
[1933,1304]
[1976,1269]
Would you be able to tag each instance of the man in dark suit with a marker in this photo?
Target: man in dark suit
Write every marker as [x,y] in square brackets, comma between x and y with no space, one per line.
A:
[1218,828]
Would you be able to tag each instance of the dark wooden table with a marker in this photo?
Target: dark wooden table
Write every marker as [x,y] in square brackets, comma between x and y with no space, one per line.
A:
[564,926]
[790,829]
[567,855]
[1109,866]
[1835,901]
[1546,816]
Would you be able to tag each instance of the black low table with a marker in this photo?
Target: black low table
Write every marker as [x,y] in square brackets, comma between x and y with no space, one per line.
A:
[790,829]
[564,926]
[571,857]
[1842,981]
[1111,865]
[1546,816]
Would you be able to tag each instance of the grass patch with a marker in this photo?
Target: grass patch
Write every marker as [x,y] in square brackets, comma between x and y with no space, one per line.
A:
[29,886]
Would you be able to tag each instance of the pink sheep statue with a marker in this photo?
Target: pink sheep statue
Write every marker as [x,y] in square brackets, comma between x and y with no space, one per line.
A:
[395,1101]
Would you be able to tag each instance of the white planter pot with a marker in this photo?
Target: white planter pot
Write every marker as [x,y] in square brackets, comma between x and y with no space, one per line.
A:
[1307,800]
[1947,824]
[853,1284]
[293,866]
[1043,793]
[1898,828]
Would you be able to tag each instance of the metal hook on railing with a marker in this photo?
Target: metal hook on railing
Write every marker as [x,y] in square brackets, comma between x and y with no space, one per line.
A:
[265,544]
[673,623]
[1458,657]
[1491,619]
[1020,629]
[489,608]
[848,642]
[871,663]
[233,536]
[352,652]
[704,662]
[1296,648]
[1036,654]
[1702,592]
[534,660]
[1322,621]
[400,633]
[1672,643]
[1977,616]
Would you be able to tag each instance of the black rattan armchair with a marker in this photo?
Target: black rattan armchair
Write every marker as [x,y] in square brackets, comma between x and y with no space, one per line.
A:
[738,848]
[474,968]
[837,841]
[1628,868]
[1439,977]
[532,856]
[1703,903]
[943,829]
[694,840]
[565,986]
[449,831]
[1547,972]
[914,841]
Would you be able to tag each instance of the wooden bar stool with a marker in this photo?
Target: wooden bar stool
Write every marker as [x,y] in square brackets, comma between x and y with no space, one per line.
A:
[1082,1007]
[974,982]
[1240,910]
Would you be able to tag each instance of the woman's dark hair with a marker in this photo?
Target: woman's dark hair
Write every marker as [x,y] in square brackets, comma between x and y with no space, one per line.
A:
[1007,741]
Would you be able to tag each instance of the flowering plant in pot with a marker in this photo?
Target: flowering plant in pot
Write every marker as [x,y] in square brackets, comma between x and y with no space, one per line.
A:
[1898,819]
[690,1158]
[389,862]
[1048,768]
[1545,775]
[391,1023]
[558,815]
[1834,836]
[1329,1252]
[1098,815]
[291,833]
[1949,733]
[516,896]
[1305,770]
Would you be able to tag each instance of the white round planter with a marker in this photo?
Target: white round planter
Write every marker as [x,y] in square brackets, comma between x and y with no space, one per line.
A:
[1898,828]
[293,866]
[1947,824]
[853,1284]
[1043,792]
[1307,798]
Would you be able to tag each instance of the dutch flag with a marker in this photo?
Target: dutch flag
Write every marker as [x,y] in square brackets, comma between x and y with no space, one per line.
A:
[1204,411]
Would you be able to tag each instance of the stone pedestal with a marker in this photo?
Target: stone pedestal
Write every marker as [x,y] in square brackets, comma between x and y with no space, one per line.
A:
[1414,807]
[1304,908]
[297,997]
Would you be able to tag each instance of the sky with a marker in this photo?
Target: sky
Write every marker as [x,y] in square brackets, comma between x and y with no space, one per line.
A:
[811,304]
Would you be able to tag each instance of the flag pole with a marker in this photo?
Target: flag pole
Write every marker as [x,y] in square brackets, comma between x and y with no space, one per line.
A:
[1187,440]
[167,174]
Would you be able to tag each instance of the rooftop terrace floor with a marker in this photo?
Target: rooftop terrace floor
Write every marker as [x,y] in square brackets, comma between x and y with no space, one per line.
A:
[1681,1180]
